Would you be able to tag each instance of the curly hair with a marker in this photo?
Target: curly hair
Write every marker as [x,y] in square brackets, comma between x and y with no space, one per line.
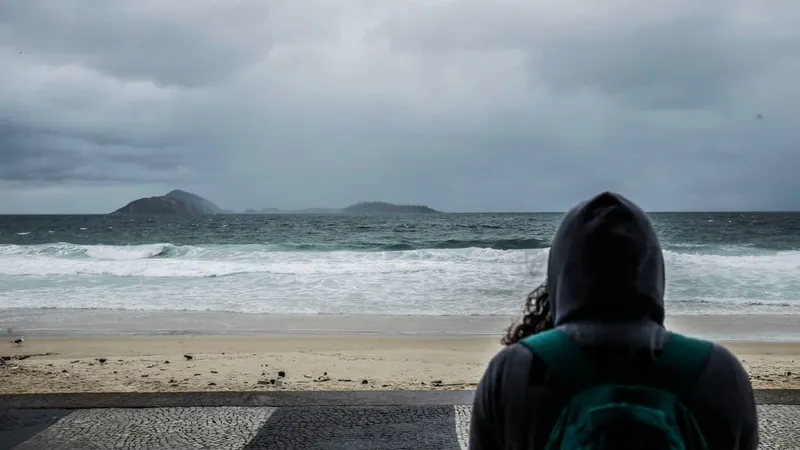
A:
[536,317]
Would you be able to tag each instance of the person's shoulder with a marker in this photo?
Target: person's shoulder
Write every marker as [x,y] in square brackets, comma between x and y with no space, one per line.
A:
[720,363]
[723,402]
[721,360]
[722,355]
[509,356]
[513,364]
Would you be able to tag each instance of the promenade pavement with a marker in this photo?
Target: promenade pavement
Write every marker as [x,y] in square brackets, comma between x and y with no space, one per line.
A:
[281,420]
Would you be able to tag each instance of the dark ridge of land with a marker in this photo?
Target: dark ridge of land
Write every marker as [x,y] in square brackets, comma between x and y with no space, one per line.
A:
[358,208]
[176,202]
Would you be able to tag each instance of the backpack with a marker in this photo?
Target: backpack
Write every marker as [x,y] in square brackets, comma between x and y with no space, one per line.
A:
[646,411]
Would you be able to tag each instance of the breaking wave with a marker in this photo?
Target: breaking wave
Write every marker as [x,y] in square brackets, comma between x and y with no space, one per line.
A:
[457,277]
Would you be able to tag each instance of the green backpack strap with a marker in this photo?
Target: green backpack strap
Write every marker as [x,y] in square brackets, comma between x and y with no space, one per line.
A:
[675,369]
[680,364]
[563,357]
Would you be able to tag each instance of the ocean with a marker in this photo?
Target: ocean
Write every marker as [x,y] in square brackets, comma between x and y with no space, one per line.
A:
[419,265]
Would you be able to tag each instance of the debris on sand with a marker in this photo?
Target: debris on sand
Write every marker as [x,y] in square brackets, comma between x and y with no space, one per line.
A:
[30,355]
[25,356]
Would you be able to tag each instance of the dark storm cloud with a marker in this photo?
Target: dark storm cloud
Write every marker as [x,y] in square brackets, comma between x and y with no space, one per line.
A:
[47,156]
[465,105]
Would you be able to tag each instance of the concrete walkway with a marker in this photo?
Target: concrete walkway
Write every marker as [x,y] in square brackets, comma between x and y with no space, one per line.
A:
[280,420]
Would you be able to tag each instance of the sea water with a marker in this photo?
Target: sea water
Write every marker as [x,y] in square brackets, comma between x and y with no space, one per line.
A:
[442,264]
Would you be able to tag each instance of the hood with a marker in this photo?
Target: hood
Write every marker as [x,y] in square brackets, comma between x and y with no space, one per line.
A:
[606,264]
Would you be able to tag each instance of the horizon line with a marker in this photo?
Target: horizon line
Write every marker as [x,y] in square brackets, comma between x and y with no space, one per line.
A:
[289,212]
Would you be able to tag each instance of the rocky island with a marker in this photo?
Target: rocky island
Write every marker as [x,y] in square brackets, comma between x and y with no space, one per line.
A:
[176,202]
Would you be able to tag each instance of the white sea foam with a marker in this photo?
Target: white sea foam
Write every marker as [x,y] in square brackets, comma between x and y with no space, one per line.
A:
[266,279]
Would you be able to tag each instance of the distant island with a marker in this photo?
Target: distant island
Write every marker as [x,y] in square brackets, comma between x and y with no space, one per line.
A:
[182,203]
[177,202]
[293,211]
[358,208]
[387,208]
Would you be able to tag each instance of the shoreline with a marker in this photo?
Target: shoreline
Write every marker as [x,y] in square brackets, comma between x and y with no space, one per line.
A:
[308,363]
[103,323]
[74,351]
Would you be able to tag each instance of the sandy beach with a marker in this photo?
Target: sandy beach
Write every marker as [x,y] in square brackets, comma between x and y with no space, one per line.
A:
[308,362]
[124,351]
[134,364]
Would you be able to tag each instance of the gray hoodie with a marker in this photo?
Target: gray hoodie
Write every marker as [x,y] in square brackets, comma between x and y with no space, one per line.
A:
[605,282]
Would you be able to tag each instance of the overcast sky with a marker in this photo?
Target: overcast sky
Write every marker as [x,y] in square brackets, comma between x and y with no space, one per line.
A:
[464,105]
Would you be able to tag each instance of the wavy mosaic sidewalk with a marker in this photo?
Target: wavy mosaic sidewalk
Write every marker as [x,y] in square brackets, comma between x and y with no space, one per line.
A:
[425,426]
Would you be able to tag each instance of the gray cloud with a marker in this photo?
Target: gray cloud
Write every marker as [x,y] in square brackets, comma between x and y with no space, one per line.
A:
[469,105]
[41,155]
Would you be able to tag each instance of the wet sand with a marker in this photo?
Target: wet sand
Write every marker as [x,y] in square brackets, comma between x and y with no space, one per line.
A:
[94,323]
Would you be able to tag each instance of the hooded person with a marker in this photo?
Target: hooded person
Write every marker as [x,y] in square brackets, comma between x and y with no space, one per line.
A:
[605,285]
